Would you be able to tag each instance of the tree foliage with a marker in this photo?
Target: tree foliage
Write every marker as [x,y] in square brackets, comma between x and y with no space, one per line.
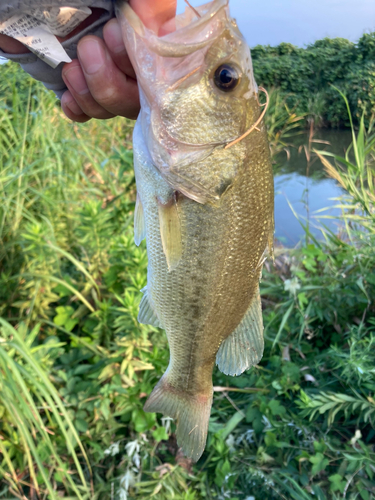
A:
[306,75]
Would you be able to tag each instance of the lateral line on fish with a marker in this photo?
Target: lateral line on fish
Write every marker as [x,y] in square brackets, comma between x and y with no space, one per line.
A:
[255,126]
[181,80]
[192,8]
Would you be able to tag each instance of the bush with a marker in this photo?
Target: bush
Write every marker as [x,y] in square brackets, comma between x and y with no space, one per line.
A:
[312,71]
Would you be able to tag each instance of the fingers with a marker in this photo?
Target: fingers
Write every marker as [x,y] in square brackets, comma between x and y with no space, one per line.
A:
[100,87]
[115,44]
[155,13]
[102,82]
[72,110]
[75,80]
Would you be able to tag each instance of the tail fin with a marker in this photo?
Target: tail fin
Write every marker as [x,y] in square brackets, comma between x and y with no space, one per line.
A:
[192,414]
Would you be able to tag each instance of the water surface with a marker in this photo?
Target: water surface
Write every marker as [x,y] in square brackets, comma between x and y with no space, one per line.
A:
[305,189]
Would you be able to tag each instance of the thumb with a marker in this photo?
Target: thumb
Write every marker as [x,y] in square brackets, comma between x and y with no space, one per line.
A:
[155,13]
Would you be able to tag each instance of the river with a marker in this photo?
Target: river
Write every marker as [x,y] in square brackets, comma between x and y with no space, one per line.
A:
[305,189]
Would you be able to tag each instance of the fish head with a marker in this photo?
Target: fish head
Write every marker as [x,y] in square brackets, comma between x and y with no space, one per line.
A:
[198,94]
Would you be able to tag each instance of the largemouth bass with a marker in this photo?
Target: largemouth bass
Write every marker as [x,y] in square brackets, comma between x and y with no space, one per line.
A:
[204,205]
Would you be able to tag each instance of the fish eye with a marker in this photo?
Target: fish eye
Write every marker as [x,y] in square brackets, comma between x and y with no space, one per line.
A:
[226,77]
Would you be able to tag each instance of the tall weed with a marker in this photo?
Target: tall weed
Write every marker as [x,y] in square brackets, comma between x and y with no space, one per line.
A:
[32,412]
[356,174]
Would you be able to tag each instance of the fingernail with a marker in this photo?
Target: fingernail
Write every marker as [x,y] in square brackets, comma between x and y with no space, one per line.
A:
[76,80]
[114,35]
[73,106]
[91,56]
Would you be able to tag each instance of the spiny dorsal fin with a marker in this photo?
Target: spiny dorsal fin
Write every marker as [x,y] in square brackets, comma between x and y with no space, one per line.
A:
[170,232]
[139,222]
[147,315]
[244,347]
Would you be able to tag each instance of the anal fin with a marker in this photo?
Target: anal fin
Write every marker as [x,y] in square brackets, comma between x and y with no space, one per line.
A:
[147,315]
[170,232]
[139,222]
[244,347]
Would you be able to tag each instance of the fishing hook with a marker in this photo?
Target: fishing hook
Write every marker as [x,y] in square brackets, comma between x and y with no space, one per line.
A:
[195,10]
[255,126]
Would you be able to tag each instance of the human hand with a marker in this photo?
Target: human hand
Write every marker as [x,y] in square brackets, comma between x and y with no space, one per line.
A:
[101,81]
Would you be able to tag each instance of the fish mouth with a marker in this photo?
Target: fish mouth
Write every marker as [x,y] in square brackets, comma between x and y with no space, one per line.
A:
[197,30]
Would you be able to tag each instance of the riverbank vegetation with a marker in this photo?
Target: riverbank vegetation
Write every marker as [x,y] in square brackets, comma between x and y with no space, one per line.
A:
[76,366]
[306,76]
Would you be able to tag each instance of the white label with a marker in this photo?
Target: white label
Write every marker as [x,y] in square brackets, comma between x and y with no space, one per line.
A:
[37,30]
[61,20]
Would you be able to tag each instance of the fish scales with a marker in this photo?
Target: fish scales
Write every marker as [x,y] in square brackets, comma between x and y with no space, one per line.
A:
[208,209]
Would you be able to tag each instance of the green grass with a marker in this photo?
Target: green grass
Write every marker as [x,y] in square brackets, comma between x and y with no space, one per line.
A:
[76,366]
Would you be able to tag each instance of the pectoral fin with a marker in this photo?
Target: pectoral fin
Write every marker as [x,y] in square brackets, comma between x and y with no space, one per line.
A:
[139,222]
[147,315]
[170,232]
[244,347]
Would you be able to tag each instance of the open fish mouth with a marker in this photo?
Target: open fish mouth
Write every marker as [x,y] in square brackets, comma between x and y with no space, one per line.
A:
[195,29]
